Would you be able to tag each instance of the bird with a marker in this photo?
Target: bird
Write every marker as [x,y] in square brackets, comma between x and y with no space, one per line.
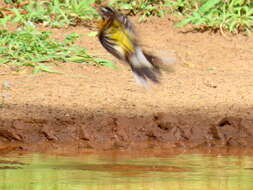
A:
[118,36]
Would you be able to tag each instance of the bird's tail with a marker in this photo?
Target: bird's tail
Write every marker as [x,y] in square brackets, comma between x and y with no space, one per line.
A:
[143,67]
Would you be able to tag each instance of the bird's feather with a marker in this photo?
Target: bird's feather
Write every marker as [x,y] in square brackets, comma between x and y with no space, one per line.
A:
[117,35]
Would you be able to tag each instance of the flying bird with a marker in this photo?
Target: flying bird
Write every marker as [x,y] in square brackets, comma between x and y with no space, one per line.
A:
[117,35]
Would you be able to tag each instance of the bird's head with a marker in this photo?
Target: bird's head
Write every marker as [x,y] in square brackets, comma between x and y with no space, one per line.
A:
[107,12]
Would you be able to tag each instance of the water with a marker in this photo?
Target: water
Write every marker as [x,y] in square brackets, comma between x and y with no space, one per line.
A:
[94,172]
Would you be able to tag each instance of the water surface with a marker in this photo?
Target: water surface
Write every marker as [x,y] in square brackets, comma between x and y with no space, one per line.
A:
[92,172]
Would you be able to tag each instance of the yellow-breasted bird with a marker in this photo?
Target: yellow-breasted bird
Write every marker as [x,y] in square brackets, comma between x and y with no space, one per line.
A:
[117,35]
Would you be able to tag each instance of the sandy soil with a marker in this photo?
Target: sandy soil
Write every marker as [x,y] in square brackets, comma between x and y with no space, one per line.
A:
[207,101]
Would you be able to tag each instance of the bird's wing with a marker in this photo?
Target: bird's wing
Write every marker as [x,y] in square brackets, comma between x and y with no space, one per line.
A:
[126,23]
[117,40]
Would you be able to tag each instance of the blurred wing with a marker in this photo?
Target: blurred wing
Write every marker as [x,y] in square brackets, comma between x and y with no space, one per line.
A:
[109,45]
[126,23]
[117,40]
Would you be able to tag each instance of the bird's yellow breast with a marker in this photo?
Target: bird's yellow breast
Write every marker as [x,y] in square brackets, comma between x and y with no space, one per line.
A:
[122,36]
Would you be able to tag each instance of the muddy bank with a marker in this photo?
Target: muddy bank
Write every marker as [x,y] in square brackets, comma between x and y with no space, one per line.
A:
[49,127]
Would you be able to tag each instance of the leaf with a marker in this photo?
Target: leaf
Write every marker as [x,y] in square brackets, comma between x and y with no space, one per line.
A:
[208,5]
[92,34]
[106,63]
[184,22]
[3,61]
[77,59]
[45,68]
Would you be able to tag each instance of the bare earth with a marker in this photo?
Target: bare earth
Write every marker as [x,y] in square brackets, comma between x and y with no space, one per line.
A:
[207,101]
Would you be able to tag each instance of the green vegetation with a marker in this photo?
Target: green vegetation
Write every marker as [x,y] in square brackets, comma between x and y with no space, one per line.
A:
[27,46]
[233,15]
[225,15]
[142,7]
[30,47]
[54,13]
[230,15]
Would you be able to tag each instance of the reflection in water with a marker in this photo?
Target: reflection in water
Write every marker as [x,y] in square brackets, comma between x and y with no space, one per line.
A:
[180,172]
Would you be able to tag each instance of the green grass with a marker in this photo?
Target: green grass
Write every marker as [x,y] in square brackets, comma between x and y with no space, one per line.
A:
[53,13]
[30,47]
[142,7]
[33,48]
[231,15]
[234,16]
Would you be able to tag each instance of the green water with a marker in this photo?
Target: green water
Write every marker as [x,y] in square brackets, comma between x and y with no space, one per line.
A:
[91,172]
